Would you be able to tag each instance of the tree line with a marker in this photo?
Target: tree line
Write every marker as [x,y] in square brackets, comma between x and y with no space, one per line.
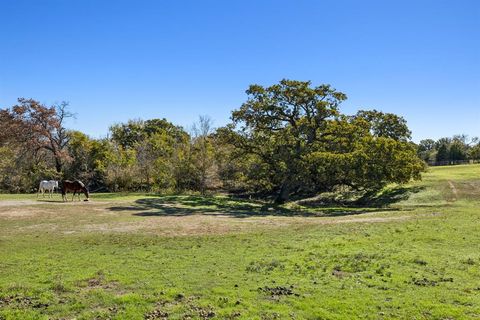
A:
[286,140]
[449,150]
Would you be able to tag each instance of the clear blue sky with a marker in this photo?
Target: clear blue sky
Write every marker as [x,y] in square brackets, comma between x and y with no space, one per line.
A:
[117,60]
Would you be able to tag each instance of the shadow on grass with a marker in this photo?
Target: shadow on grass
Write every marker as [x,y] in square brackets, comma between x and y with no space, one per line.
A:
[391,196]
[381,199]
[223,206]
[50,200]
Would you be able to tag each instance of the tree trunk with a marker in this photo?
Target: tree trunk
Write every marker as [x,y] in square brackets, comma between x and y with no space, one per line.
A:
[58,165]
[284,193]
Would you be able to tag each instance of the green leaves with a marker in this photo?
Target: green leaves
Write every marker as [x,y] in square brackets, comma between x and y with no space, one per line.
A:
[300,142]
[386,125]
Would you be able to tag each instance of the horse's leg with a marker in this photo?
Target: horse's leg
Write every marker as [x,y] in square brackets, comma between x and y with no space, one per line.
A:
[73,195]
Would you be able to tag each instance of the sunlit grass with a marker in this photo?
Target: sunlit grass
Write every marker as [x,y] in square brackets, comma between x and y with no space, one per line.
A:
[423,265]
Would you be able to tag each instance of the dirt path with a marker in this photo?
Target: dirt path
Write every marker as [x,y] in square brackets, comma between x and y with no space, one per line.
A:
[454,190]
[27,202]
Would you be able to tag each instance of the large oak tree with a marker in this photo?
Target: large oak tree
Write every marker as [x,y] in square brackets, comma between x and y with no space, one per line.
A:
[297,142]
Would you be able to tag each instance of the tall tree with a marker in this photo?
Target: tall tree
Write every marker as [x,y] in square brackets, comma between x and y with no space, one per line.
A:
[38,127]
[426,149]
[443,149]
[202,148]
[280,124]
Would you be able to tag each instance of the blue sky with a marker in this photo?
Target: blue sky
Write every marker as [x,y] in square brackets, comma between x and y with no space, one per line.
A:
[117,60]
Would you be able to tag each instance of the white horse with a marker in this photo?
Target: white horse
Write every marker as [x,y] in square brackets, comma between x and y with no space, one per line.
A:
[47,186]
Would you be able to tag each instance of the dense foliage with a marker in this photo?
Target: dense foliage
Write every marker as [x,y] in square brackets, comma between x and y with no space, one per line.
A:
[295,140]
[286,139]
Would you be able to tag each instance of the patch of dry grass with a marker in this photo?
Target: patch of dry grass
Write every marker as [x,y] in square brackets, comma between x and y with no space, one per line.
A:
[20,217]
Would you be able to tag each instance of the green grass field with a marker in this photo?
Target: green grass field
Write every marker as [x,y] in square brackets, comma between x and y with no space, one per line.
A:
[135,256]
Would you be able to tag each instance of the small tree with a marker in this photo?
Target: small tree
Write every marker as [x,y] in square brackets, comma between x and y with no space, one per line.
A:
[202,149]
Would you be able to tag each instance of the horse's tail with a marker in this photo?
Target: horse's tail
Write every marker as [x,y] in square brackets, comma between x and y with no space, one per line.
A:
[63,190]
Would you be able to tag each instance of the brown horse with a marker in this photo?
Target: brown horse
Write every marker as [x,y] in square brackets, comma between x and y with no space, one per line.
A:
[75,187]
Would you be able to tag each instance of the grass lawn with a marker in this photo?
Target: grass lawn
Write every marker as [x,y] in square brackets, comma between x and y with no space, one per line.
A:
[135,256]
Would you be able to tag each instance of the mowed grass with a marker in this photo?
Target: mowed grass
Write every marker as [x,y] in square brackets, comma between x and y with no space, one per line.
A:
[136,256]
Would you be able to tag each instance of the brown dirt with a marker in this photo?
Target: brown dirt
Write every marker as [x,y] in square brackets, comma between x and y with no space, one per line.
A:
[16,203]
[17,212]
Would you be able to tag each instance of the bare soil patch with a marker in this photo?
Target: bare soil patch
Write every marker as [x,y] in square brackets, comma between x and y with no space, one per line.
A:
[75,218]
[17,203]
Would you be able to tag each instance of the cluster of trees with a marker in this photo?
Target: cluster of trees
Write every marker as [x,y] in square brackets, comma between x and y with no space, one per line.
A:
[150,155]
[286,139]
[449,150]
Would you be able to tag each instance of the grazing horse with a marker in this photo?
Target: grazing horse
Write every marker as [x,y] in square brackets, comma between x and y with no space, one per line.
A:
[75,187]
[47,186]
